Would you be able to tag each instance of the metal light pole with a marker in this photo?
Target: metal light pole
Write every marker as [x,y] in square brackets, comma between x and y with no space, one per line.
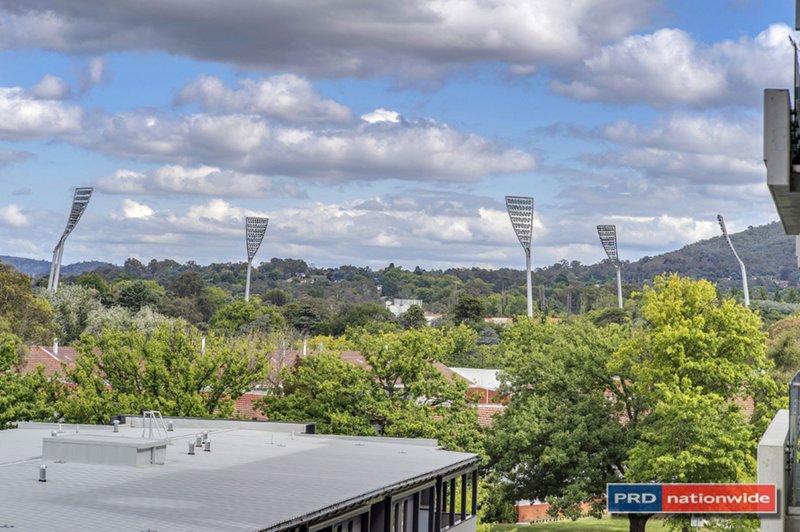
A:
[741,264]
[520,210]
[79,202]
[608,237]
[254,232]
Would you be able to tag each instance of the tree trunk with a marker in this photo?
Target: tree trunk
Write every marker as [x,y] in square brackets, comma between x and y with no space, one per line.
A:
[638,522]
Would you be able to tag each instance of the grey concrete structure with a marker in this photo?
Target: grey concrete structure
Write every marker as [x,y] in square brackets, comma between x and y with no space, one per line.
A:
[257,476]
[772,467]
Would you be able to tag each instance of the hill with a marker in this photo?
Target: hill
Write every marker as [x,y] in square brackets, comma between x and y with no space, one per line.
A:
[41,268]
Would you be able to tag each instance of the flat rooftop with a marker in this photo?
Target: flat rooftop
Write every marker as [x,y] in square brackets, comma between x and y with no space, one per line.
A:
[257,476]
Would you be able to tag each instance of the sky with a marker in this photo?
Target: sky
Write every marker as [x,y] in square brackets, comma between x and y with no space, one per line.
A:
[383,131]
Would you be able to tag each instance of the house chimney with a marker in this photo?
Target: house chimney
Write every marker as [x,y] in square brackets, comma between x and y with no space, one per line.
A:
[55,346]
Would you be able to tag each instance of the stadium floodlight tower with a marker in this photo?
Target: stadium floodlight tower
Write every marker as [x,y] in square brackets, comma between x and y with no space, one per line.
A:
[520,210]
[254,229]
[608,237]
[79,202]
[741,264]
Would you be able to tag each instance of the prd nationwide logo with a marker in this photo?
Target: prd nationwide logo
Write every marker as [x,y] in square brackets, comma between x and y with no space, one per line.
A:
[692,498]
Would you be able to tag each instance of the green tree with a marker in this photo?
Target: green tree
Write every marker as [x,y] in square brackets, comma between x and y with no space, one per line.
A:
[783,348]
[358,315]
[25,315]
[188,284]
[99,283]
[245,317]
[130,370]
[182,307]
[413,318]
[560,438]
[72,305]
[23,397]
[686,366]
[277,297]
[400,393]
[210,300]
[136,294]
[468,310]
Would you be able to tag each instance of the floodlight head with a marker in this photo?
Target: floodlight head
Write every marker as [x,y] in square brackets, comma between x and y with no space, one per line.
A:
[79,202]
[520,210]
[254,229]
[608,237]
[725,234]
[721,221]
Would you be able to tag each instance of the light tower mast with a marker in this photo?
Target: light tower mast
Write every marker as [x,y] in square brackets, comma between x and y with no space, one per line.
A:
[79,202]
[254,233]
[608,237]
[520,210]
[741,264]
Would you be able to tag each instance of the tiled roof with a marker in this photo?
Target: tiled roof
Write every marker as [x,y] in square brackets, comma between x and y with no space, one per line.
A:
[47,357]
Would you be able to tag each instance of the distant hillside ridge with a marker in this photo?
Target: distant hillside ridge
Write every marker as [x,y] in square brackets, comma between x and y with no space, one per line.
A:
[41,268]
[767,253]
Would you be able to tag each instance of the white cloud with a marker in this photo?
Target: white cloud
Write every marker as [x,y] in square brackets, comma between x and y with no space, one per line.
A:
[200,180]
[130,209]
[51,88]
[420,150]
[12,215]
[686,148]
[285,96]
[417,39]
[669,67]
[25,118]
[381,115]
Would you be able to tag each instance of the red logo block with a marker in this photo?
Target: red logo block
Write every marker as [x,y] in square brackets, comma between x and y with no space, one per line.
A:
[719,498]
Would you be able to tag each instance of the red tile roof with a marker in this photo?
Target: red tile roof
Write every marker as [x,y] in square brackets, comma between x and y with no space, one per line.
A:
[47,357]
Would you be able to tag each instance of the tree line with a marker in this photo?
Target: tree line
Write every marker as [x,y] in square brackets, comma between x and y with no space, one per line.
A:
[677,387]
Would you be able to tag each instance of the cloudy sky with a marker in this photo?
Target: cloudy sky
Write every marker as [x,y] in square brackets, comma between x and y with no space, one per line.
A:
[383,131]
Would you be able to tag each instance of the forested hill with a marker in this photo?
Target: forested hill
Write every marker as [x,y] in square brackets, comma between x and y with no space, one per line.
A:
[39,268]
[767,252]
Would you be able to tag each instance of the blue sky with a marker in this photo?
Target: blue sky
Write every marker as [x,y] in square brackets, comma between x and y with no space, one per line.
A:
[383,132]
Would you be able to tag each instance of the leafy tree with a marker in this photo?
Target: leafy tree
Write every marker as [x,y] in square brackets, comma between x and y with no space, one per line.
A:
[138,293]
[99,283]
[783,348]
[277,297]
[359,315]
[560,438]
[23,397]
[182,307]
[400,392]
[339,396]
[188,284]
[468,310]
[210,300]
[130,370]
[24,314]
[304,317]
[603,317]
[120,318]
[692,359]
[242,316]
[72,305]
[413,318]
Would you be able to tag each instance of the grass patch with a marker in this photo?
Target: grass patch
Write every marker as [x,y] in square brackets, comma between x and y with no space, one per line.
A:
[586,524]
